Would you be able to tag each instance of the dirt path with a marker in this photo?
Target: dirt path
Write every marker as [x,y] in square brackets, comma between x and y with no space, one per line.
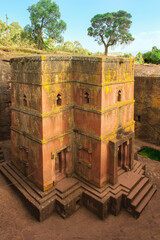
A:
[17,223]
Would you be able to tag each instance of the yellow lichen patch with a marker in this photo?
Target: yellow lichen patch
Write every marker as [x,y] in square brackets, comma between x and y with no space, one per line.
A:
[109,76]
[70,121]
[125,125]
[43,58]
[107,89]
[47,187]
[127,77]
[109,137]
[44,141]
[127,129]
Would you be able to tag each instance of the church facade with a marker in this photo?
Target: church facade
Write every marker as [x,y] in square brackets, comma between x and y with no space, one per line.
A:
[72,114]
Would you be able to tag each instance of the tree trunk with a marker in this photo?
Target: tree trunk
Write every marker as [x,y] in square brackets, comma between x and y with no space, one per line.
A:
[40,41]
[106,50]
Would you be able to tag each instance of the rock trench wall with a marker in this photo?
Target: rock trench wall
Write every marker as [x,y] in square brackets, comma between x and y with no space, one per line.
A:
[147,109]
[5,100]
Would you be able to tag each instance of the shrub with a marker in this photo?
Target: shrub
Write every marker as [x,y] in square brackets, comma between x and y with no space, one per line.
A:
[139,58]
[152,56]
[128,55]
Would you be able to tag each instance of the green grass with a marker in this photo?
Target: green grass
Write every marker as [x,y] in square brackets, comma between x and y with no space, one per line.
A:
[150,153]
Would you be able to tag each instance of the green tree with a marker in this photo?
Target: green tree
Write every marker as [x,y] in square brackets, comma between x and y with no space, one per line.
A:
[78,47]
[152,56]
[68,46]
[15,30]
[139,58]
[111,28]
[45,22]
[3,29]
[154,49]
[27,37]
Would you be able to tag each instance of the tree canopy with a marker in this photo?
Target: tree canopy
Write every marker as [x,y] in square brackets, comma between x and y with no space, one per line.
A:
[152,56]
[45,22]
[111,28]
[10,34]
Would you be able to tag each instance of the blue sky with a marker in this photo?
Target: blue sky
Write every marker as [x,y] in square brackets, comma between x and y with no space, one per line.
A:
[78,13]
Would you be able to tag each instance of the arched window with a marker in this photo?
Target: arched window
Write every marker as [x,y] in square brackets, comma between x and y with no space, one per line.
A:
[86,97]
[139,118]
[119,95]
[59,100]
[24,100]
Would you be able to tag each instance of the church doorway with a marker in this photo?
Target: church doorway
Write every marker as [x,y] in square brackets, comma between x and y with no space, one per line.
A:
[60,164]
[124,155]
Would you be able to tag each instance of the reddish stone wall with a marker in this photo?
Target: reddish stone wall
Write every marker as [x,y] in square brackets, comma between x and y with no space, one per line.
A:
[5,100]
[27,157]
[69,106]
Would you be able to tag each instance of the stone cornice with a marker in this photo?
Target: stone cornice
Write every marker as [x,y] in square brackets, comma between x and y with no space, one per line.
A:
[79,82]
[97,111]
[105,137]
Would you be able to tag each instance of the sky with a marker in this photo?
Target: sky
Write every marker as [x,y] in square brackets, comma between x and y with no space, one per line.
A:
[77,14]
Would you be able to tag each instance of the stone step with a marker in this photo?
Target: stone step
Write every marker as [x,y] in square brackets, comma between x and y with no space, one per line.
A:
[142,172]
[108,192]
[19,187]
[138,169]
[26,187]
[120,171]
[66,207]
[104,192]
[75,194]
[17,180]
[137,189]
[137,200]
[129,180]
[62,187]
[31,185]
[41,208]
[89,185]
[93,187]
[36,189]
[136,164]
[144,202]
[69,191]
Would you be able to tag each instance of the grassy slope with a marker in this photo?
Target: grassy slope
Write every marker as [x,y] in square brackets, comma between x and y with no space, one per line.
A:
[7,52]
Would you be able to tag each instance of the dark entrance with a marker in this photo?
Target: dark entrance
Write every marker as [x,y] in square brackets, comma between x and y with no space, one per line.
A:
[119,156]
[60,165]
[124,155]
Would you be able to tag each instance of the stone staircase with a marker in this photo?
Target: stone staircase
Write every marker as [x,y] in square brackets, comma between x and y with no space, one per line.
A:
[40,201]
[68,196]
[140,190]
[139,197]
[65,197]
[139,168]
